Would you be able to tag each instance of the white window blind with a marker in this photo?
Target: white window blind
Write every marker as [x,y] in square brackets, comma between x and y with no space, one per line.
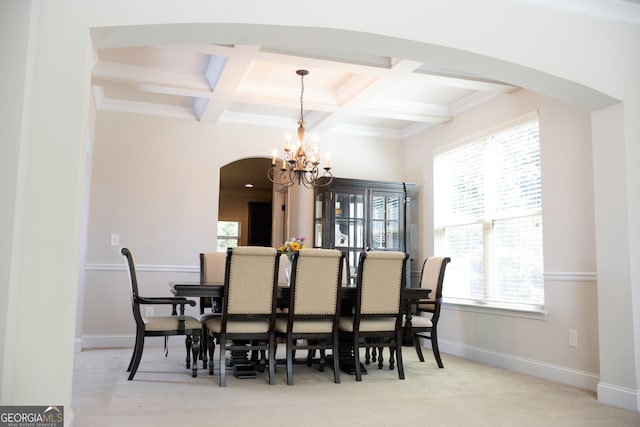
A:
[488,218]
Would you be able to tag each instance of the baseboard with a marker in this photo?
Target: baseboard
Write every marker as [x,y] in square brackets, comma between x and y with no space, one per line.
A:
[620,397]
[560,374]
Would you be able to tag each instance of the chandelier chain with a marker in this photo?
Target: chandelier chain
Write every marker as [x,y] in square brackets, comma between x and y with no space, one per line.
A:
[301,97]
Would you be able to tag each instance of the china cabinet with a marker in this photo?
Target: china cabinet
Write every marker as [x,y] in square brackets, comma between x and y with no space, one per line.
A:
[357,215]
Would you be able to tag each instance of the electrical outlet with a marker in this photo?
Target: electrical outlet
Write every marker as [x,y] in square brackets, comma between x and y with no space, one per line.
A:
[115,239]
[148,312]
[573,338]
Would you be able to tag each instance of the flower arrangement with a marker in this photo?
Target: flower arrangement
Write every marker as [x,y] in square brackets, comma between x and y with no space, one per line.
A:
[292,245]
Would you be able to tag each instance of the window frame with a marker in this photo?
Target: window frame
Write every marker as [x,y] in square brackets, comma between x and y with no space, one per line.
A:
[514,309]
[220,237]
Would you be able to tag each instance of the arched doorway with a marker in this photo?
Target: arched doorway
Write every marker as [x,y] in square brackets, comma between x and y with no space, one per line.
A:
[247,198]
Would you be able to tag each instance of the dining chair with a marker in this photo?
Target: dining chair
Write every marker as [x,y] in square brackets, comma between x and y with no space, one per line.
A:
[161,326]
[432,277]
[314,307]
[379,309]
[248,306]
[212,265]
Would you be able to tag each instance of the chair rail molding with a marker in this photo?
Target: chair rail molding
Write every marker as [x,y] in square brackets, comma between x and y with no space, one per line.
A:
[145,268]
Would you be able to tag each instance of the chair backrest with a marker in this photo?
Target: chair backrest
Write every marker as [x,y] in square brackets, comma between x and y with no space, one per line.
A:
[316,281]
[212,267]
[282,275]
[380,283]
[346,272]
[133,282]
[250,281]
[432,277]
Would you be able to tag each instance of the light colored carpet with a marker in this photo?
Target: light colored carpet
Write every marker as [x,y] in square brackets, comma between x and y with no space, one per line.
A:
[464,393]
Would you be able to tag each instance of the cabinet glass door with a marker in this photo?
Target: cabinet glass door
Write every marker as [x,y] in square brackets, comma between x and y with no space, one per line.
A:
[385,222]
[349,227]
[318,220]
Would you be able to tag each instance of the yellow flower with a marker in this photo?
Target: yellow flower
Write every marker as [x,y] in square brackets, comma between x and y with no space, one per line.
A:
[295,246]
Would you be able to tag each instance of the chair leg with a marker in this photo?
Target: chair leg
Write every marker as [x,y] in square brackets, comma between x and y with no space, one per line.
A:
[436,350]
[204,348]
[195,351]
[222,366]
[272,359]
[398,346]
[416,344]
[380,358]
[289,359]
[133,354]
[356,357]
[137,355]
[336,359]
[188,341]
[211,344]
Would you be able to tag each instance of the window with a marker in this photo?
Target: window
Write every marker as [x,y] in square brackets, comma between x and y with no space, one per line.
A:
[228,235]
[488,219]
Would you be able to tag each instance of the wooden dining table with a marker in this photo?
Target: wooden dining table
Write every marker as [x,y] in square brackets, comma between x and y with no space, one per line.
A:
[348,301]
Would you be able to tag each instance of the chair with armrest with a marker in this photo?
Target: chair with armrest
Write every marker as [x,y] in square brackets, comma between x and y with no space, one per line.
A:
[432,277]
[248,306]
[379,305]
[314,307]
[161,326]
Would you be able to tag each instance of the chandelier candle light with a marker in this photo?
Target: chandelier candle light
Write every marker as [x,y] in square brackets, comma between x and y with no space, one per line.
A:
[300,161]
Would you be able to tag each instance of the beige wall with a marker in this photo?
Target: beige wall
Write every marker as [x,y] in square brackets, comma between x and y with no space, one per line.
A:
[588,62]
[534,345]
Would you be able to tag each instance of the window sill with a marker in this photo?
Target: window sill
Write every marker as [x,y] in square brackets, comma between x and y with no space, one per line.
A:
[535,312]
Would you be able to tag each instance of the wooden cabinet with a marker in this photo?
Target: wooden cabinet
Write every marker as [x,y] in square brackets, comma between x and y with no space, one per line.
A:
[358,215]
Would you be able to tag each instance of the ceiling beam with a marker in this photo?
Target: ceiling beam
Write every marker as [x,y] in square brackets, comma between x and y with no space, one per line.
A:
[226,83]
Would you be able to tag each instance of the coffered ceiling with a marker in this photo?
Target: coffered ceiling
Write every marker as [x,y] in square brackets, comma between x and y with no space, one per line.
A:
[381,96]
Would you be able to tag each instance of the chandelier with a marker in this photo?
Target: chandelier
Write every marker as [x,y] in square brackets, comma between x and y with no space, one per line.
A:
[300,162]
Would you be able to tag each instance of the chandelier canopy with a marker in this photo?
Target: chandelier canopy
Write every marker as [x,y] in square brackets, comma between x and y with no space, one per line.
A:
[300,161]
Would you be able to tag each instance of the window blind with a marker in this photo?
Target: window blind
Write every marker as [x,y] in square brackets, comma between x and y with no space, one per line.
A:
[488,217]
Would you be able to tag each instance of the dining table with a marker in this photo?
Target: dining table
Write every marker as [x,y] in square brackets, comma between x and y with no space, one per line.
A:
[244,368]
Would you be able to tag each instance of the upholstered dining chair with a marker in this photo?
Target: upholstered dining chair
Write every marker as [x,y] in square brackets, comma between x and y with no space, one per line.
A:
[379,309]
[161,326]
[248,306]
[432,277]
[212,265]
[314,307]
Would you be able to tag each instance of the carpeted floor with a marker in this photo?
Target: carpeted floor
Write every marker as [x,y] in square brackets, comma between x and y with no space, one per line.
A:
[464,393]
